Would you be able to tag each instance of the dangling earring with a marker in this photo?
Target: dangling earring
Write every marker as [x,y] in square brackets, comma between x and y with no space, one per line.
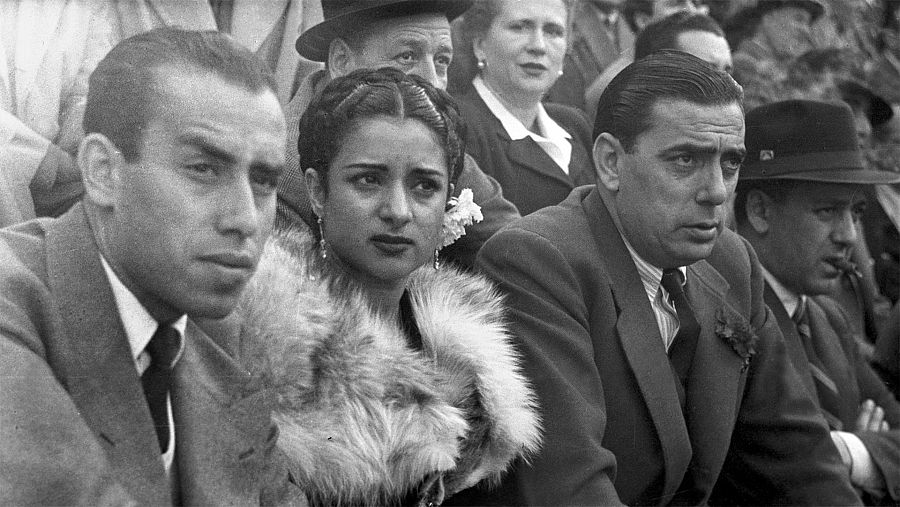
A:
[559,72]
[437,259]
[322,251]
[482,64]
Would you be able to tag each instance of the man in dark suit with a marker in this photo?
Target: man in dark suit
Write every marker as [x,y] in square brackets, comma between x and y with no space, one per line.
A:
[409,35]
[661,375]
[111,394]
[799,201]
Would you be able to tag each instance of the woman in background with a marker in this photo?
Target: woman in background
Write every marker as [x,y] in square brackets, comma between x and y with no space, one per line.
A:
[392,379]
[538,153]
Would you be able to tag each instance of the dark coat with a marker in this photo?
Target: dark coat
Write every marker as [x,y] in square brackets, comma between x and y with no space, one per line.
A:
[854,377]
[614,430]
[75,427]
[529,177]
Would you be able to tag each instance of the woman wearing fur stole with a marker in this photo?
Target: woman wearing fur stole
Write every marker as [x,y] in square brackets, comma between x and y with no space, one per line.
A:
[394,381]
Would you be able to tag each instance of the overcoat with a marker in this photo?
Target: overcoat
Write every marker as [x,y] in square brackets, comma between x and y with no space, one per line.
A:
[529,177]
[614,427]
[855,379]
[75,427]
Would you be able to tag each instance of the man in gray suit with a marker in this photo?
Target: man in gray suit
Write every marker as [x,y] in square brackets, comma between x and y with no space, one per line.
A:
[111,394]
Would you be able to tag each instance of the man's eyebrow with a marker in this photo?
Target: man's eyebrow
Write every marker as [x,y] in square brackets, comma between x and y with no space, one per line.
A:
[708,149]
[208,148]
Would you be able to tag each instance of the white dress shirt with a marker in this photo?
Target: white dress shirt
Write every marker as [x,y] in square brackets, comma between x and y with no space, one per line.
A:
[139,328]
[660,302]
[554,140]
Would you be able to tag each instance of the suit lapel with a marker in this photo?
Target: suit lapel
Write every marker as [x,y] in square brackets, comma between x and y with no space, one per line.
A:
[95,362]
[792,340]
[529,155]
[224,439]
[642,343]
[714,385]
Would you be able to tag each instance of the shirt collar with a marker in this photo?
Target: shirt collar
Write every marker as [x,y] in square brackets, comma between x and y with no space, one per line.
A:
[550,130]
[138,323]
[789,299]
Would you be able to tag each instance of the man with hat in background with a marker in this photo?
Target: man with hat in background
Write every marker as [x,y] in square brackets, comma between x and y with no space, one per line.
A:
[409,35]
[798,203]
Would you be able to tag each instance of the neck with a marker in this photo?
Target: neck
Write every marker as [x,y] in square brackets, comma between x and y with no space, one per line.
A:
[384,295]
[524,109]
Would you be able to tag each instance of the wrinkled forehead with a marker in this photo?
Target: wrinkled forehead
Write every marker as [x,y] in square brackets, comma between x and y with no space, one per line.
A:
[426,27]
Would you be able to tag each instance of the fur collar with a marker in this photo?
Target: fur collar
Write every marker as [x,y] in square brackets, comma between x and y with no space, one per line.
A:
[364,418]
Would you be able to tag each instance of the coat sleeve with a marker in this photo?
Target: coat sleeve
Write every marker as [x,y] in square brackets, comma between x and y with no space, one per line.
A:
[781,451]
[49,455]
[550,321]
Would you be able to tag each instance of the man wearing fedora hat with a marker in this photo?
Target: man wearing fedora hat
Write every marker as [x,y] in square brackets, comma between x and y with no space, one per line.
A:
[799,200]
[412,36]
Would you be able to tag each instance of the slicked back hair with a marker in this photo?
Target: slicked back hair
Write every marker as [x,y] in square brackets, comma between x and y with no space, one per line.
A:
[124,89]
[664,33]
[625,109]
[368,93]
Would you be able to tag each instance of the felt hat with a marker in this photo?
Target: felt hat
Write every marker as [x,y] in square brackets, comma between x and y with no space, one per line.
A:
[877,109]
[756,9]
[806,140]
[345,16]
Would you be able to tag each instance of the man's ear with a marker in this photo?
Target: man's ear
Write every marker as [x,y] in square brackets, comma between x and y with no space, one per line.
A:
[477,50]
[759,211]
[316,191]
[101,165]
[341,59]
[608,159]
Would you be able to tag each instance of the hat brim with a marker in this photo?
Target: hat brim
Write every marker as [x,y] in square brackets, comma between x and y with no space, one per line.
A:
[847,175]
[313,44]
[880,110]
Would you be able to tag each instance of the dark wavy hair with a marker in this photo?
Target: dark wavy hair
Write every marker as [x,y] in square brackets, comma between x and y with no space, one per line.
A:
[124,92]
[367,93]
[625,109]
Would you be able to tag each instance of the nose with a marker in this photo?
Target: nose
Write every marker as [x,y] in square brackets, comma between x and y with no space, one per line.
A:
[713,190]
[239,214]
[845,229]
[537,43]
[396,209]
[428,71]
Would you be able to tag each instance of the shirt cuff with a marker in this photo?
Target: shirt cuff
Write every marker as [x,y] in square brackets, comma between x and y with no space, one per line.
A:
[863,471]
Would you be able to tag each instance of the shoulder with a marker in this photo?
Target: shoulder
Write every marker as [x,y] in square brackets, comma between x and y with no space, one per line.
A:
[564,223]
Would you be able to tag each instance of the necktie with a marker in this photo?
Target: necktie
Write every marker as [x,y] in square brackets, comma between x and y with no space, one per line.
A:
[826,389]
[162,349]
[681,352]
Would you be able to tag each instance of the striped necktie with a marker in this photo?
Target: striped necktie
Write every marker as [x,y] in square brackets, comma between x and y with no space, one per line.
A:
[681,352]
[826,389]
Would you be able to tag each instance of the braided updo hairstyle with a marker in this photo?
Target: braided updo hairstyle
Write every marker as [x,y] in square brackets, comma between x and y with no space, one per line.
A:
[364,94]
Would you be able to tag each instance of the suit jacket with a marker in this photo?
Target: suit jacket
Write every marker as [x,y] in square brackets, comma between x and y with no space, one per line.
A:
[614,430]
[293,200]
[268,28]
[75,427]
[57,45]
[854,377]
[529,177]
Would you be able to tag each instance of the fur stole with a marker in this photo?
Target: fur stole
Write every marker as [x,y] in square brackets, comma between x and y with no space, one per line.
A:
[364,418]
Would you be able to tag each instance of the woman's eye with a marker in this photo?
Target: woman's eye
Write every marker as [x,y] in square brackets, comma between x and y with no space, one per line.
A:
[428,186]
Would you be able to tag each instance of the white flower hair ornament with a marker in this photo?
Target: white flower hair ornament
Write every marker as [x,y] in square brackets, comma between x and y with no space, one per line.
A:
[462,211]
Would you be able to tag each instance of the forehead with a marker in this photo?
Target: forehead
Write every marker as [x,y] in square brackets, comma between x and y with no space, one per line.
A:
[704,45]
[530,9]
[812,193]
[426,28]
[185,107]
[674,122]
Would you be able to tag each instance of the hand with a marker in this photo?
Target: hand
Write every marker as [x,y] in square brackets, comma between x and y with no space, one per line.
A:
[871,418]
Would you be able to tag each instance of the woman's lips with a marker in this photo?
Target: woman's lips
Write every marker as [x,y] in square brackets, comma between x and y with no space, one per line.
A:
[391,244]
